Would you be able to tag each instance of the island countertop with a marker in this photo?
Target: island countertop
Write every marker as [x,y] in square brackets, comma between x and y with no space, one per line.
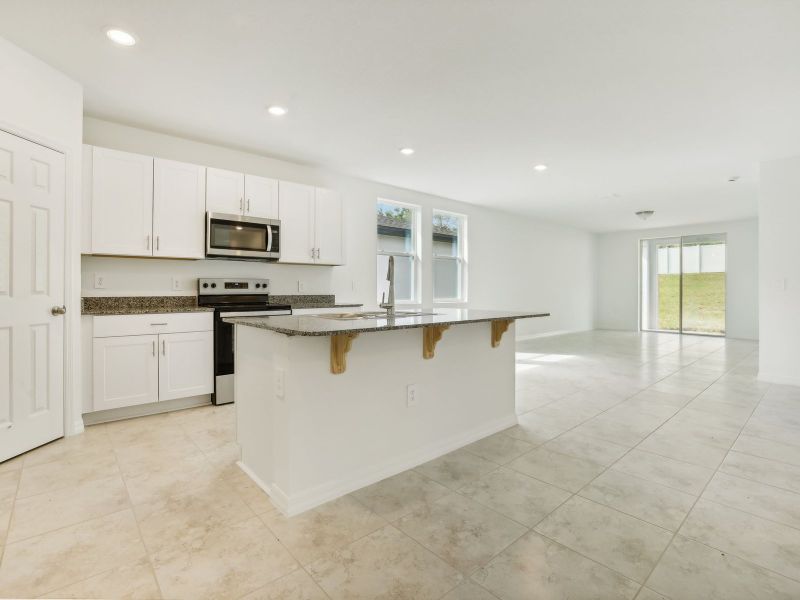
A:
[321,325]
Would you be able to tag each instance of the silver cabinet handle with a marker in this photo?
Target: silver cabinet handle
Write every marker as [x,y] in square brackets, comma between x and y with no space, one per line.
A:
[317,252]
[164,347]
[241,202]
[156,324]
[248,205]
[148,241]
[154,347]
[158,242]
[58,310]
[312,253]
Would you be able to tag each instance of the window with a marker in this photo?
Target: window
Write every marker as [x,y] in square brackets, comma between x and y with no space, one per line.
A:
[398,236]
[449,257]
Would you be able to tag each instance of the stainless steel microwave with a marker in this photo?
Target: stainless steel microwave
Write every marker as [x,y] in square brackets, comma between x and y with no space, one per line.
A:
[242,237]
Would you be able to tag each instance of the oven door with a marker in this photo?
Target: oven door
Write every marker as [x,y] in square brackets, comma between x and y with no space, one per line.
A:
[241,237]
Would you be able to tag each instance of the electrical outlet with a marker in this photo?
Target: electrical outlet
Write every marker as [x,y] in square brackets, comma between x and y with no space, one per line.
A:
[412,395]
[99,281]
[176,284]
[280,390]
[301,286]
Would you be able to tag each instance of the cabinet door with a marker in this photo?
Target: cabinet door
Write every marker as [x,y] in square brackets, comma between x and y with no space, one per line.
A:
[296,212]
[186,364]
[125,371]
[122,203]
[260,197]
[179,203]
[328,221]
[224,191]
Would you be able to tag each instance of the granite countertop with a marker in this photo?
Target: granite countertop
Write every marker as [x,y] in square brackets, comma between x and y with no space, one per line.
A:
[305,305]
[318,325]
[139,305]
[309,301]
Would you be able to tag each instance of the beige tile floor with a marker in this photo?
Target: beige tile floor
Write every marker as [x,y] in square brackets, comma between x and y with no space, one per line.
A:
[643,466]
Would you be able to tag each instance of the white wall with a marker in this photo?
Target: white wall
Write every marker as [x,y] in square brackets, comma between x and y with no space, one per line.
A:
[45,106]
[617,271]
[516,263]
[779,265]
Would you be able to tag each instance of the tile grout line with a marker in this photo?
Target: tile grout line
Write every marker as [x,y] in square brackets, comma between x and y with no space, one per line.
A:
[686,516]
[643,584]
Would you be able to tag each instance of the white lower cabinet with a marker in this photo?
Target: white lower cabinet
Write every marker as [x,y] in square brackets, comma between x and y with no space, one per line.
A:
[185,364]
[125,371]
[139,359]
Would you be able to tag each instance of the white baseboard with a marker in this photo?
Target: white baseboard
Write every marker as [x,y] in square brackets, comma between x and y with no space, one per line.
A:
[780,379]
[294,504]
[142,410]
[533,336]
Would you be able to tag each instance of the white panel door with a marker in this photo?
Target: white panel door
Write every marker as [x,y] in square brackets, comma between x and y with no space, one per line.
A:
[186,364]
[260,197]
[125,371]
[224,191]
[31,284]
[179,204]
[328,220]
[296,212]
[122,203]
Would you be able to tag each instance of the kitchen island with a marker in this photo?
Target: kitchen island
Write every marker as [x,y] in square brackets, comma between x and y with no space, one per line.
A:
[327,404]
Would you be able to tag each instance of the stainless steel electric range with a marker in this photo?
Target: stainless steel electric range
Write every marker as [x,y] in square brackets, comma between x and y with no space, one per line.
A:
[233,298]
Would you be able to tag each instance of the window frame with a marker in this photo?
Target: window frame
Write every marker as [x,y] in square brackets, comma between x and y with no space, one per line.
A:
[460,258]
[415,255]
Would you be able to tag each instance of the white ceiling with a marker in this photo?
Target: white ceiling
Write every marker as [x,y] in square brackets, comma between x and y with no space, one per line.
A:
[632,103]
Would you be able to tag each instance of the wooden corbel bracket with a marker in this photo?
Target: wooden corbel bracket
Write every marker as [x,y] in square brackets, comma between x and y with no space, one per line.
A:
[499,327]
[340,346]
[430,336]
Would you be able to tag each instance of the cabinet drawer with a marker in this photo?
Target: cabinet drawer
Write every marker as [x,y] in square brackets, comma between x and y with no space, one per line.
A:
[148,324]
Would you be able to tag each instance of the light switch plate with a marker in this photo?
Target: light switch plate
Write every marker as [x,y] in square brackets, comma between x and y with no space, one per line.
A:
[99,281]
[176,284]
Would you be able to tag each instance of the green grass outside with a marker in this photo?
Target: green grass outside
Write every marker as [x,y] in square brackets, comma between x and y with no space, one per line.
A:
[703,302]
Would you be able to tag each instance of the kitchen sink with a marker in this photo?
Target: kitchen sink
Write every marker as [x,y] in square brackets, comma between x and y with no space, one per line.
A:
[355,316]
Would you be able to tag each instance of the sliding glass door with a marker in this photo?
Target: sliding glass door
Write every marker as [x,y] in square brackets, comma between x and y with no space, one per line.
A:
[682,285]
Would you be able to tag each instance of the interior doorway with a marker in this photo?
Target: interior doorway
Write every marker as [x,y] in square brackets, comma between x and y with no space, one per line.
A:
[683,284]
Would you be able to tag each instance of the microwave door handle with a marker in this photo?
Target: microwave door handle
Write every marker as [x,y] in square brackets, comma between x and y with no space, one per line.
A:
[269,238]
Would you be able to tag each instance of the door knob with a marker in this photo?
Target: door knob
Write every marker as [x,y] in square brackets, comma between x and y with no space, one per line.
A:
[58,310]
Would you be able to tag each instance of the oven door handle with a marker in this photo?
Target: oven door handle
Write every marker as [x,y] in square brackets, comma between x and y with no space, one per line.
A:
[254,313]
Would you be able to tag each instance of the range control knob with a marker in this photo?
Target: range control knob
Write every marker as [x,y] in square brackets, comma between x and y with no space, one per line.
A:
[213,285]
[205,285]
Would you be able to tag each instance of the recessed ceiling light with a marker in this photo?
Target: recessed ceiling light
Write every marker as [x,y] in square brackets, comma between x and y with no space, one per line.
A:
[277,111]
[540,168]
[123,38]
[407,151]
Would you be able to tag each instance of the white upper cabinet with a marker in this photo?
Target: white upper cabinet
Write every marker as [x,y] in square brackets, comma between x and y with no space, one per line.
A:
[328,219]
[296,212]
[260,197]
[122,203]
[179,201]
[224,191]
[311,224]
